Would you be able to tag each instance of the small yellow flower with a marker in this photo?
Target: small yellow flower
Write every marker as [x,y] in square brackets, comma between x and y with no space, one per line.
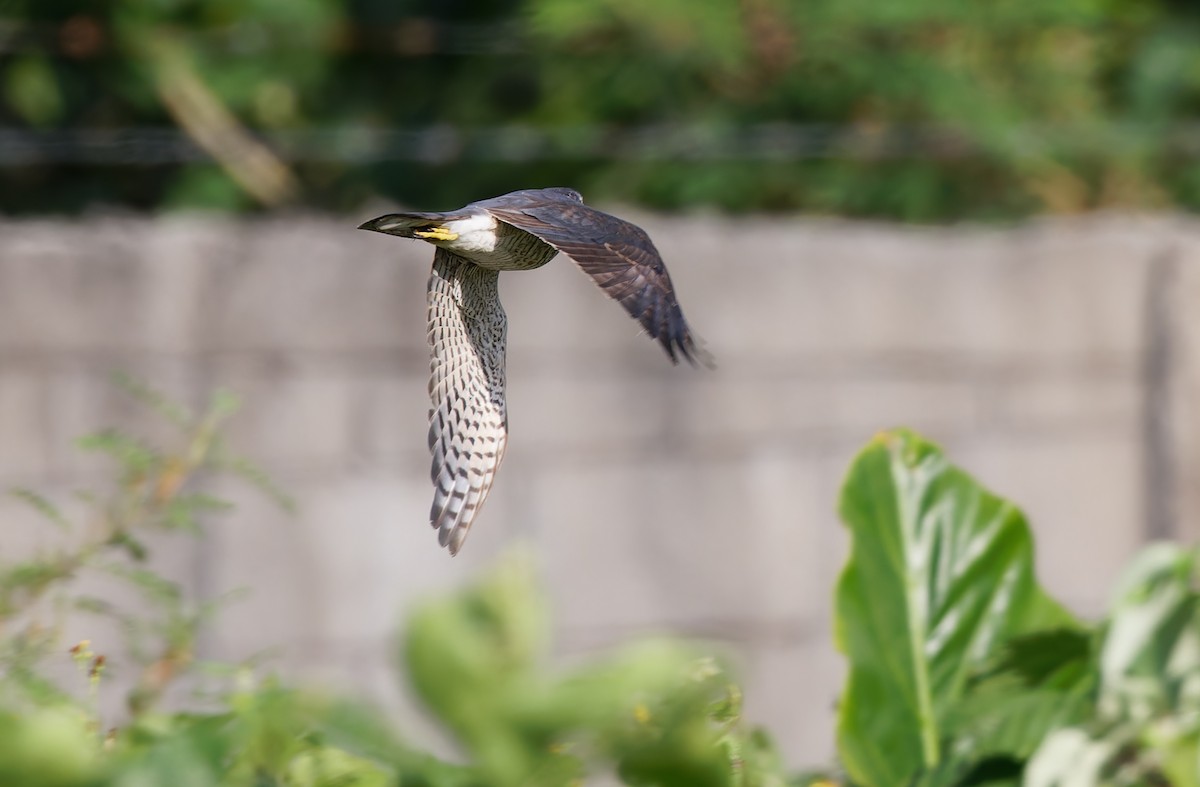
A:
[82,654]
[641,713]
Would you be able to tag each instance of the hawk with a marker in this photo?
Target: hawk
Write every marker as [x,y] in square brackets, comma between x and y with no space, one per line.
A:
[468,423]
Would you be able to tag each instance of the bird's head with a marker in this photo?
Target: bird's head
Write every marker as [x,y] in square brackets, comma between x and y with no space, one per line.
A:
[396,224]
[566,193]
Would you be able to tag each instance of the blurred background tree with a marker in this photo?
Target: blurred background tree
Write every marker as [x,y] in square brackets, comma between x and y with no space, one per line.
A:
[920,110]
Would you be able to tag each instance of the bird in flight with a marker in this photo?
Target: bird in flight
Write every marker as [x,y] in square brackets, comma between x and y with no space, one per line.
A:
[468,423]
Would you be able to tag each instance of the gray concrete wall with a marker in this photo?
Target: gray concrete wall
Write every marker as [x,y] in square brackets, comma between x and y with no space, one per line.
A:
[1053,360]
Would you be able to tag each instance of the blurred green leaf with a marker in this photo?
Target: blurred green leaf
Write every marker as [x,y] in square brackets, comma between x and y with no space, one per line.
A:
[133,547]
[156,400]
[1145,724]
[27,579]
[224,461]
[47,747]
[330,767]
[153,585]
[940,577]
[472,658]
[43,507]
[134,456]
[32,90]
[205,187]
[182,512]
[658,710]
[1067,758]
[1154,629]
[1037,683]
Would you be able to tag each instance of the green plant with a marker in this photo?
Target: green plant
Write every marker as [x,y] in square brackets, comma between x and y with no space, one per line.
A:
[1145,725]
[963,671]
[918,110]
[154,491]
[939,581]
[656,713]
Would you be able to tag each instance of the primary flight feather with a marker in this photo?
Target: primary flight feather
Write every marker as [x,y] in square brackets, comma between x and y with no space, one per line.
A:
[468,422]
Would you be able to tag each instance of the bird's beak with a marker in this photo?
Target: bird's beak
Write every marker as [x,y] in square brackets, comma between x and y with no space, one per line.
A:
[400,224]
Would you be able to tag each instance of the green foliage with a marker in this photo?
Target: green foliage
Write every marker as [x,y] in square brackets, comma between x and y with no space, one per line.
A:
[151,493]
[1146,728]
[1041,106]
[939,578]
[653,713]
[47,747]
[962,670]
[991,109]
[659,711]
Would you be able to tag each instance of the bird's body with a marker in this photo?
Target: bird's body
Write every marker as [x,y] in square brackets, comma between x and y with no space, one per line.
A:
[494,245]
[468,422]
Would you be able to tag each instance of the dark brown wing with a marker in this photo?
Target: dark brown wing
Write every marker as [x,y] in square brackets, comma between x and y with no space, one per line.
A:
[620,257]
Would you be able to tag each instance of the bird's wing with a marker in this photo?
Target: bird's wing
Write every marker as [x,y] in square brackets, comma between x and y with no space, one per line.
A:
[620,257]
[468,424]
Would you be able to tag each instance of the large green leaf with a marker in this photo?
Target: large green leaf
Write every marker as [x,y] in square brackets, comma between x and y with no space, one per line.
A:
[1153,639]
[939,578]
[1145,726]
[1041,682]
